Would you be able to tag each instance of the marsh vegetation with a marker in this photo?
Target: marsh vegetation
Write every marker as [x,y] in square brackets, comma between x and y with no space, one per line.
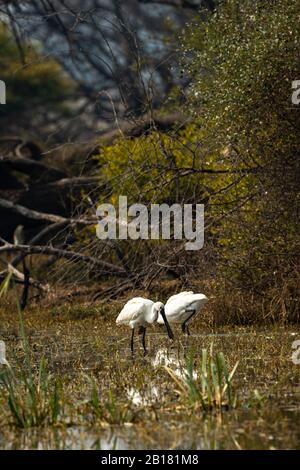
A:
[74,384]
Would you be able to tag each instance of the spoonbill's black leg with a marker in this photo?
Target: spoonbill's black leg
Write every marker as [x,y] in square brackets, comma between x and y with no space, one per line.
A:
[131,342]
[184,326]
[143,333]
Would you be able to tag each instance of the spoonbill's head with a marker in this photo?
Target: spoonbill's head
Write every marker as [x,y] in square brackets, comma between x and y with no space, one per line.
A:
[159,309]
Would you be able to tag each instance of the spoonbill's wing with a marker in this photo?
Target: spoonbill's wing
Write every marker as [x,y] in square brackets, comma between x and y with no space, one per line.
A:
[179,309]
[132,309]
[136,300]
[176,296]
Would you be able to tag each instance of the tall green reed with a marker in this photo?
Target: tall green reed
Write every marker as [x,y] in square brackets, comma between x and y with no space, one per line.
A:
[34,397]
[108,410]
[210,386]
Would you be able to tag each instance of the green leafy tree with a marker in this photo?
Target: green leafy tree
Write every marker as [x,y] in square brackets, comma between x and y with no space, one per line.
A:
[242,63]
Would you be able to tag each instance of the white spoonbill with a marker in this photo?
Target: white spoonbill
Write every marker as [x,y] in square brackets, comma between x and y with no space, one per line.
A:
[140,313]
[180,308]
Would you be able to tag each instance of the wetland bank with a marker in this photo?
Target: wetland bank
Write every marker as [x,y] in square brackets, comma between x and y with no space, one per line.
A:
[107,400]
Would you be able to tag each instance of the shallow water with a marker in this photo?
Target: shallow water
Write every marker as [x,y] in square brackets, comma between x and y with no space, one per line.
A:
[270,429]
[75,350]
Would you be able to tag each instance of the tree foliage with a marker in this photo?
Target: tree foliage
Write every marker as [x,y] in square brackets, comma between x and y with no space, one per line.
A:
[242,63]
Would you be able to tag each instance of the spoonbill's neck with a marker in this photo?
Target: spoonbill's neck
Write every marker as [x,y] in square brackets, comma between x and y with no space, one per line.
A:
[154,313]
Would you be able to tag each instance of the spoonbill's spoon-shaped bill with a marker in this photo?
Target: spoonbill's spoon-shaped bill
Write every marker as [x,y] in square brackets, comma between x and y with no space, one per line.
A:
[180,308]
[140,313]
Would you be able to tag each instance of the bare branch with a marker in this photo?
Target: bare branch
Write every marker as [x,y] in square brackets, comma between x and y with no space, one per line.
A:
[176,3]
[42,216]
[79,181]
[20,278]
[42,234]
[32,167]
[108,268]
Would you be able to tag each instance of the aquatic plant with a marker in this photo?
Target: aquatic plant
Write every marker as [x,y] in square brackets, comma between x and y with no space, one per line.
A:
[108,409]
[33,398]
[210,386]
[33,401]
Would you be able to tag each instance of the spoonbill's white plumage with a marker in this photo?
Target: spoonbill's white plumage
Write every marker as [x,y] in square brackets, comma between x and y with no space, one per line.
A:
[140,313]
[180,308]
[3,360]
